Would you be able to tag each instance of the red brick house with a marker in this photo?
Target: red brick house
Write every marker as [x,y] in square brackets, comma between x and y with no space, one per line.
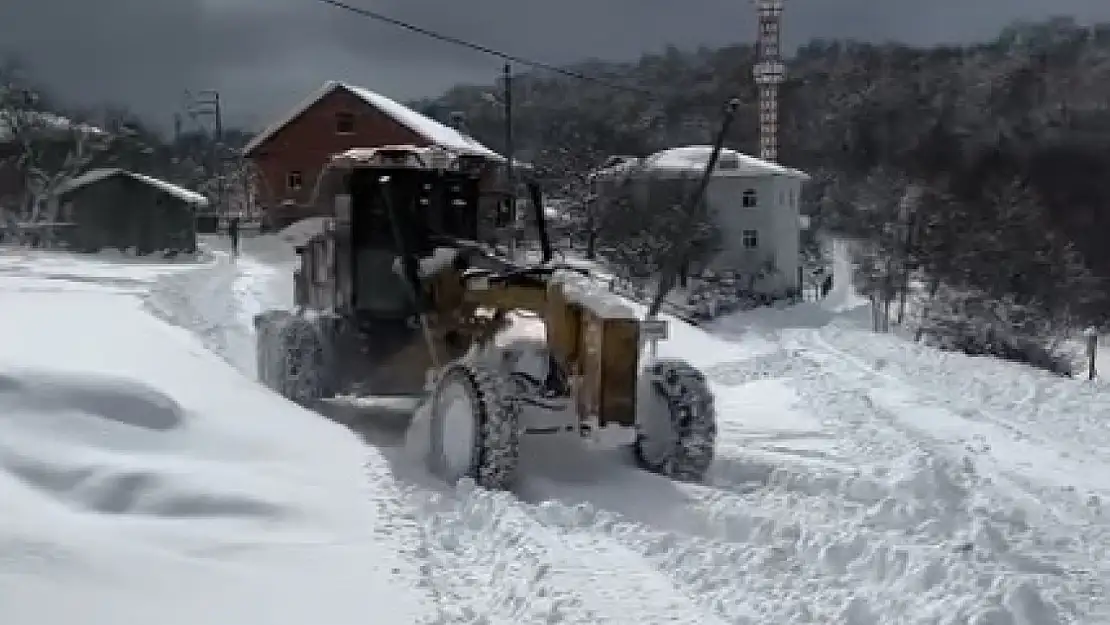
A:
[288,156]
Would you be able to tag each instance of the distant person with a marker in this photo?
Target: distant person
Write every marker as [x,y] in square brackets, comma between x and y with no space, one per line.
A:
[233,233]
[826,286]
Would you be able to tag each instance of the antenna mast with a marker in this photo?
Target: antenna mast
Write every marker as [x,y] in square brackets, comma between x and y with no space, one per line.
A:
[769,72]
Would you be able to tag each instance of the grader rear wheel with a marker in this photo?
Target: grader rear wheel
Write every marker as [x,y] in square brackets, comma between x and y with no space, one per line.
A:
[676,421]
[475,428]
[292,357]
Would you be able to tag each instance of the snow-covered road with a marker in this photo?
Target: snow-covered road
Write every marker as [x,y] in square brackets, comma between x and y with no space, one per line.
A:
[859,480]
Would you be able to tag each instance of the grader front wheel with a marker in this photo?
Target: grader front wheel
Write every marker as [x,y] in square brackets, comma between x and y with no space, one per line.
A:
[676,421]
[475,428]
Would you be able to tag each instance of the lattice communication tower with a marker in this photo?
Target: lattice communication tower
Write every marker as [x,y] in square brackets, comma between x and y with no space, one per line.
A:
[769,72]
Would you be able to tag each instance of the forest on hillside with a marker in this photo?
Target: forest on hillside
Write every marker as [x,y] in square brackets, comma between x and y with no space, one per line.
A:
[981,171]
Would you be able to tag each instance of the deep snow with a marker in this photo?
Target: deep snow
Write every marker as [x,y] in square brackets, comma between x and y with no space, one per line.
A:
[860,479]
[145,480]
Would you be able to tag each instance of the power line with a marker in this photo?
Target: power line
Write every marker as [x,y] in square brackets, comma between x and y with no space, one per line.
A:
[484,49]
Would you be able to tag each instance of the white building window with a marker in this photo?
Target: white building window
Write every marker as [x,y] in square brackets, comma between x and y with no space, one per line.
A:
[294,181]
[749,199]
[750,239]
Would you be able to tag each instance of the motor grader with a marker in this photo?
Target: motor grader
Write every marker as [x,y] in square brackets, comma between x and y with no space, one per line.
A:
[396,296]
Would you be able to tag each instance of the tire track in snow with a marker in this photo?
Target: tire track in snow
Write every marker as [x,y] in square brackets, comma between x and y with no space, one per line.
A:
[1011,388]
[845,525]
[496,559]
[1083,511]
[744,537]
[1025,559]
[859,443]
[399,524]
[904,527]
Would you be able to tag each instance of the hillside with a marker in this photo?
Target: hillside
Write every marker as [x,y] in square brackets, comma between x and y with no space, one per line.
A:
[999,150]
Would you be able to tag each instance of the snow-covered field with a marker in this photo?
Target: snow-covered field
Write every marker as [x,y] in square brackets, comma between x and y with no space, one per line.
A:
[860,480]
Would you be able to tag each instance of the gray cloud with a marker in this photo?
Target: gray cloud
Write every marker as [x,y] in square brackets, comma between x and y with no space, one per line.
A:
[263,55]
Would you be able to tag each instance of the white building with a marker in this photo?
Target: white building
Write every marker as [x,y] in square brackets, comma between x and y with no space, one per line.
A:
[755,204]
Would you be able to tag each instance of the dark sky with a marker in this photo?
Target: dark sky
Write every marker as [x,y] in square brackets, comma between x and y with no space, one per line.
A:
[264,55]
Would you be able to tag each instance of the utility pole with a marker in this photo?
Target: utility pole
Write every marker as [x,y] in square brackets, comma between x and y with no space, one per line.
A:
[510,169]
[207,102]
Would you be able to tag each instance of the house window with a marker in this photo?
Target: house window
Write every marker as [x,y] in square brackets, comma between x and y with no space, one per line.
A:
[344,123]
[294,181]
[750,199]
[750,239]
[503,216]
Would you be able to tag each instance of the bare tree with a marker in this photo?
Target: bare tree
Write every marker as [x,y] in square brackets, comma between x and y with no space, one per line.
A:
[569,172]
[51,151]
[640,215]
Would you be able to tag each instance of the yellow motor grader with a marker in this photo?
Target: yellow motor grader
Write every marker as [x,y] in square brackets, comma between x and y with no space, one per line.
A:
[396,296]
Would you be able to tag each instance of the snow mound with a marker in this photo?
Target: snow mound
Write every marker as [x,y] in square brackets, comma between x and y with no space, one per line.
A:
[193,496]
[123,401]
[92,433]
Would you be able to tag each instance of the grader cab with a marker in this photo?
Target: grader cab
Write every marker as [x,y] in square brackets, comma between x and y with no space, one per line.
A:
[395,295]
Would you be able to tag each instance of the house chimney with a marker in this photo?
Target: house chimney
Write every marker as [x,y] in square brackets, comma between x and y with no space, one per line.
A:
[458,121]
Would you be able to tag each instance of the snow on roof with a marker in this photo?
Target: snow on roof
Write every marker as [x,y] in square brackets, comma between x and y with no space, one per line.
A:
[697,157]
[431,130]
[96,175]
[694,158]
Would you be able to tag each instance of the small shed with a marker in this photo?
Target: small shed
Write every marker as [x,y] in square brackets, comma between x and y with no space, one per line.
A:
[115,208]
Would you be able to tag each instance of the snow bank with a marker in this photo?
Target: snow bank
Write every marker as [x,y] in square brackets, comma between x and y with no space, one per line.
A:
[191,497]
[29,270]
[217,302]
[204,302]
[92,443]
